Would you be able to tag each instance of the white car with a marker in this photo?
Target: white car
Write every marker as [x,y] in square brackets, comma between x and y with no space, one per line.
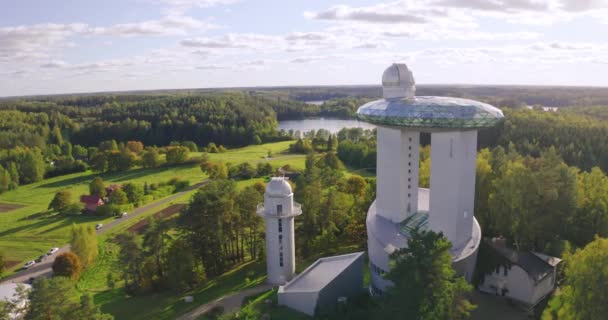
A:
[29,264]
[98,226]
[52,251]
[124,214]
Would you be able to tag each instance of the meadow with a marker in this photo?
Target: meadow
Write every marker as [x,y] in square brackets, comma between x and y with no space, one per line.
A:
[29,231]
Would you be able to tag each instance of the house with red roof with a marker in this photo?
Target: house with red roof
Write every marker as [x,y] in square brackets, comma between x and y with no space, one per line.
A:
[91,202]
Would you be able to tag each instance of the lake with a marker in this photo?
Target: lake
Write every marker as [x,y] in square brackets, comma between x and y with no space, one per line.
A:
[333,125]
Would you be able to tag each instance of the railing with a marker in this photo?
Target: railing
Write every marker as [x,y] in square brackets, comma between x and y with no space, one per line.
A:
[296,210]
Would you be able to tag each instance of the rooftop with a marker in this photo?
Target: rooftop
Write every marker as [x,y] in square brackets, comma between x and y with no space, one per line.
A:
[278,187]
[400,107]
[321,273]
[536,265]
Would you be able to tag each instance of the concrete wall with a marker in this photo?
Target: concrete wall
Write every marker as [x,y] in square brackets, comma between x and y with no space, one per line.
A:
[305,302]
[519,285]
[397,173]
[453,164]
[276,274]
[349,283]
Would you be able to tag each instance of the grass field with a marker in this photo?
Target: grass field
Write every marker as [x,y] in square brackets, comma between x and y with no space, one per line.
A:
[26,232]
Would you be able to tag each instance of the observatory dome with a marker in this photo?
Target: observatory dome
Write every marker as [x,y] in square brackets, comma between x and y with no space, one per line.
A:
[278,187]
[400,107]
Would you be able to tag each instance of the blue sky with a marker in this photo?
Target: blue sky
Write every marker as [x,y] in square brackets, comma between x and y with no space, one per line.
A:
[63,46]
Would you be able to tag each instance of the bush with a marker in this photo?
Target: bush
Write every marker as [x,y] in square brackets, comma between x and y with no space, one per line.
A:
[67,265]
[181,185]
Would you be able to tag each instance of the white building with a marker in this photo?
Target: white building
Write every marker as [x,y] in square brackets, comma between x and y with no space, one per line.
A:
[278,211]
[400,204]
[323,283]
[526,277]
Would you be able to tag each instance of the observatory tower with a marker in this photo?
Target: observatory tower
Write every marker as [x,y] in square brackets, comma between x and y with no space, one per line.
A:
[278,211]
[400,204]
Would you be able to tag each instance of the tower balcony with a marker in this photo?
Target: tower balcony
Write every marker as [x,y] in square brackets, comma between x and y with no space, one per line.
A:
[295,211]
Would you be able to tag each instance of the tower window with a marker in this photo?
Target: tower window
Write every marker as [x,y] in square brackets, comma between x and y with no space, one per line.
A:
[279,209]
[280,225]
[410,139]
[410,147]
[409,170]
[409,179]
[409,195]
[409,164]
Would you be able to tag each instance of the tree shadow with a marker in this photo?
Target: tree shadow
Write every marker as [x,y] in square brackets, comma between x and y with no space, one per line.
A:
[68,182]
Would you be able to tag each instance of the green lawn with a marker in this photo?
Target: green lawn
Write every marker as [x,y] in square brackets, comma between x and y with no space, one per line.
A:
[26,233]
[258,153]
[168,305]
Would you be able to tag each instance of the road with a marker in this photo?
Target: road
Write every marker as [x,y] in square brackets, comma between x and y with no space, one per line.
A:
[230,303]
[43,269]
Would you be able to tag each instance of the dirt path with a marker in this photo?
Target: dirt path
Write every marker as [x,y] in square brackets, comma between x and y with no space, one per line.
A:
[43,269]
[230,303]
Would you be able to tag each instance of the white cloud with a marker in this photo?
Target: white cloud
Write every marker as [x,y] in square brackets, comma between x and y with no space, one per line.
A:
[54,64]
[169,25]
[33,42]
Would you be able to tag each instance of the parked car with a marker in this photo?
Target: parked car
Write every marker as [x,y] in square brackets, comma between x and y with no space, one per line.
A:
[31,280]
[40,258]
[98,226]
[124,214]
[29,264]
[52,251]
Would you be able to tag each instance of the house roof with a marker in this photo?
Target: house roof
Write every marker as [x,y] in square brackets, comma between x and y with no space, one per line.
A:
[321,273]
[536,266]
[90,199]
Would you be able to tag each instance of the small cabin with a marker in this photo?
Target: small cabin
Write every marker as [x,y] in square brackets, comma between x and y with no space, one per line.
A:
[91,202]
[524,277]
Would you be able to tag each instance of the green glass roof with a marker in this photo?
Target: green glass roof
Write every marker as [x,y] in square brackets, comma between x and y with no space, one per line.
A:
[418,220]
[431,112]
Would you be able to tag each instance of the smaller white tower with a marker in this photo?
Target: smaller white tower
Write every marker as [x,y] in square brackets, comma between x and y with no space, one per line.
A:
[278,211]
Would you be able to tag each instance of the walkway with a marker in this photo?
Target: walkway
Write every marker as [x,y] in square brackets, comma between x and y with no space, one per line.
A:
[230,303]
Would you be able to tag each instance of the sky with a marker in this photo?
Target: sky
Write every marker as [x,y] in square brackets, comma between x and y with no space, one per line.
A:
[72,46]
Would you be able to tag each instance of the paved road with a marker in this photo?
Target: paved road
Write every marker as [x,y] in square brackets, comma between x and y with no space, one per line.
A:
[43,269]
[230,303]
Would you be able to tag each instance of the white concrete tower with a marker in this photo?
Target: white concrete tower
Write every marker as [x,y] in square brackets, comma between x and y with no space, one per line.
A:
[278,211]
[401,205]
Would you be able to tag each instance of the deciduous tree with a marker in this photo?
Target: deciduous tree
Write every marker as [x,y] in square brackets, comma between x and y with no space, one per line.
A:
[67,265]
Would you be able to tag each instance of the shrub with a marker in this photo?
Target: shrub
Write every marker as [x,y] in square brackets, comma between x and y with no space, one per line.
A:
[67,265]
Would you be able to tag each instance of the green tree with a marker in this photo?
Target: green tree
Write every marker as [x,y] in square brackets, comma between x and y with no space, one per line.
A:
[61,202]
[184,272]
[425,286]
[79,151]
[67,265]
[150,158]
[57,299]
[118,197]
[84,243]
[51,299]
[586,279]
[177,155]
[88,310]
[134,192]
[247,201]
[108,145]
[31,167]
[97,187]
[66,149]
[203,224]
